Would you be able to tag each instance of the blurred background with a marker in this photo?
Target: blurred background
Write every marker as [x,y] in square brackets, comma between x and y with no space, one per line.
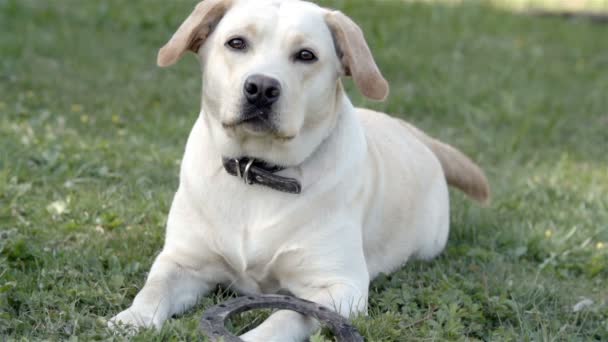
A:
[92,132]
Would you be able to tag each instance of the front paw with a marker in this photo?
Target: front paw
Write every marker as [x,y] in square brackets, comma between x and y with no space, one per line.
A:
[257,336]
[132,320]
[250,337]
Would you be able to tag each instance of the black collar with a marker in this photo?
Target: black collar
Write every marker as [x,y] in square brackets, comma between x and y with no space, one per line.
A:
[254,171]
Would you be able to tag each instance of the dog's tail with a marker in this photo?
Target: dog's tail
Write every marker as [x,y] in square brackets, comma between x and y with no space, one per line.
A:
[460,171]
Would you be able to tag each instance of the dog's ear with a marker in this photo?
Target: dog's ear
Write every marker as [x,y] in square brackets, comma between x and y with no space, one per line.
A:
[356,57]
[194,31]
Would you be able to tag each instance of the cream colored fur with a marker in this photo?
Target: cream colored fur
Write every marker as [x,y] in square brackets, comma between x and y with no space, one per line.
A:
[374,190]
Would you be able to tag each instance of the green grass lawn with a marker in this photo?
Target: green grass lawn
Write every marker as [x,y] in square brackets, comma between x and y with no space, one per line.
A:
[92,132]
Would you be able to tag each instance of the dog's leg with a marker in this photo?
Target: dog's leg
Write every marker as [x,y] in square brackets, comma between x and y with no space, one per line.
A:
[289,326]
[334,277]
[183,272]
[171,288]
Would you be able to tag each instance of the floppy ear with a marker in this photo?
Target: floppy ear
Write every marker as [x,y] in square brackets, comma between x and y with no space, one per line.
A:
[194,31]
[356,57]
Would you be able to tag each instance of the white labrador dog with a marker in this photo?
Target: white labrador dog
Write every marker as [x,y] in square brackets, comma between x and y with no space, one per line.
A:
[284,184]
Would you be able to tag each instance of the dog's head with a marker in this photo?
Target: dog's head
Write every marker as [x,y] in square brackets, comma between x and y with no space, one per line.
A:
[271,73]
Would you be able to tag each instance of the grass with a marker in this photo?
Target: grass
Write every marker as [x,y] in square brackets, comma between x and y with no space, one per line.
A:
[91,136]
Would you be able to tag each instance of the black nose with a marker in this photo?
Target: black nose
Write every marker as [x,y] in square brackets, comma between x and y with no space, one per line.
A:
[261,90]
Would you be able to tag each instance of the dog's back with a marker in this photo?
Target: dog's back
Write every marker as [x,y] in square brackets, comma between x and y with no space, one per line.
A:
[460,171]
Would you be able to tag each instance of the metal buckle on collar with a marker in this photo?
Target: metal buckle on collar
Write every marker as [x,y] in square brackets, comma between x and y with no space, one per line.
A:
[238,167]
[257,171]
[245,174]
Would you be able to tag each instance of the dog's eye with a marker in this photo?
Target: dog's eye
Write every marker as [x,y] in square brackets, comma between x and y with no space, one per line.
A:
[237,44]
[305,56]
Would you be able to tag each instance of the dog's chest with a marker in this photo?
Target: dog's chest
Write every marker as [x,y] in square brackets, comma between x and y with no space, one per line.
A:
[250,252]
[250,232]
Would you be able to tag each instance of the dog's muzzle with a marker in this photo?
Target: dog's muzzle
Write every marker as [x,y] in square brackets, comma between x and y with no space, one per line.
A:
[253,171]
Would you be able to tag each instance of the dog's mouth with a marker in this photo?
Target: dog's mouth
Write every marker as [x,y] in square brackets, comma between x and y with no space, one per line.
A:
[259,118]
[256,127]
[257,121]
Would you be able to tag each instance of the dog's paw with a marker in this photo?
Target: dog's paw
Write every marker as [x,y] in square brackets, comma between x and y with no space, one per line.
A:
[255,336]
[249,338]
[131,321]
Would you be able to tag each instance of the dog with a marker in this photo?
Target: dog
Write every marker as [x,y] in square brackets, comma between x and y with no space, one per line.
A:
[285,186]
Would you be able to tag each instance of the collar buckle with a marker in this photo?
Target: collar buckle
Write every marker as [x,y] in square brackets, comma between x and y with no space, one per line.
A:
[254,171]
[245,177]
